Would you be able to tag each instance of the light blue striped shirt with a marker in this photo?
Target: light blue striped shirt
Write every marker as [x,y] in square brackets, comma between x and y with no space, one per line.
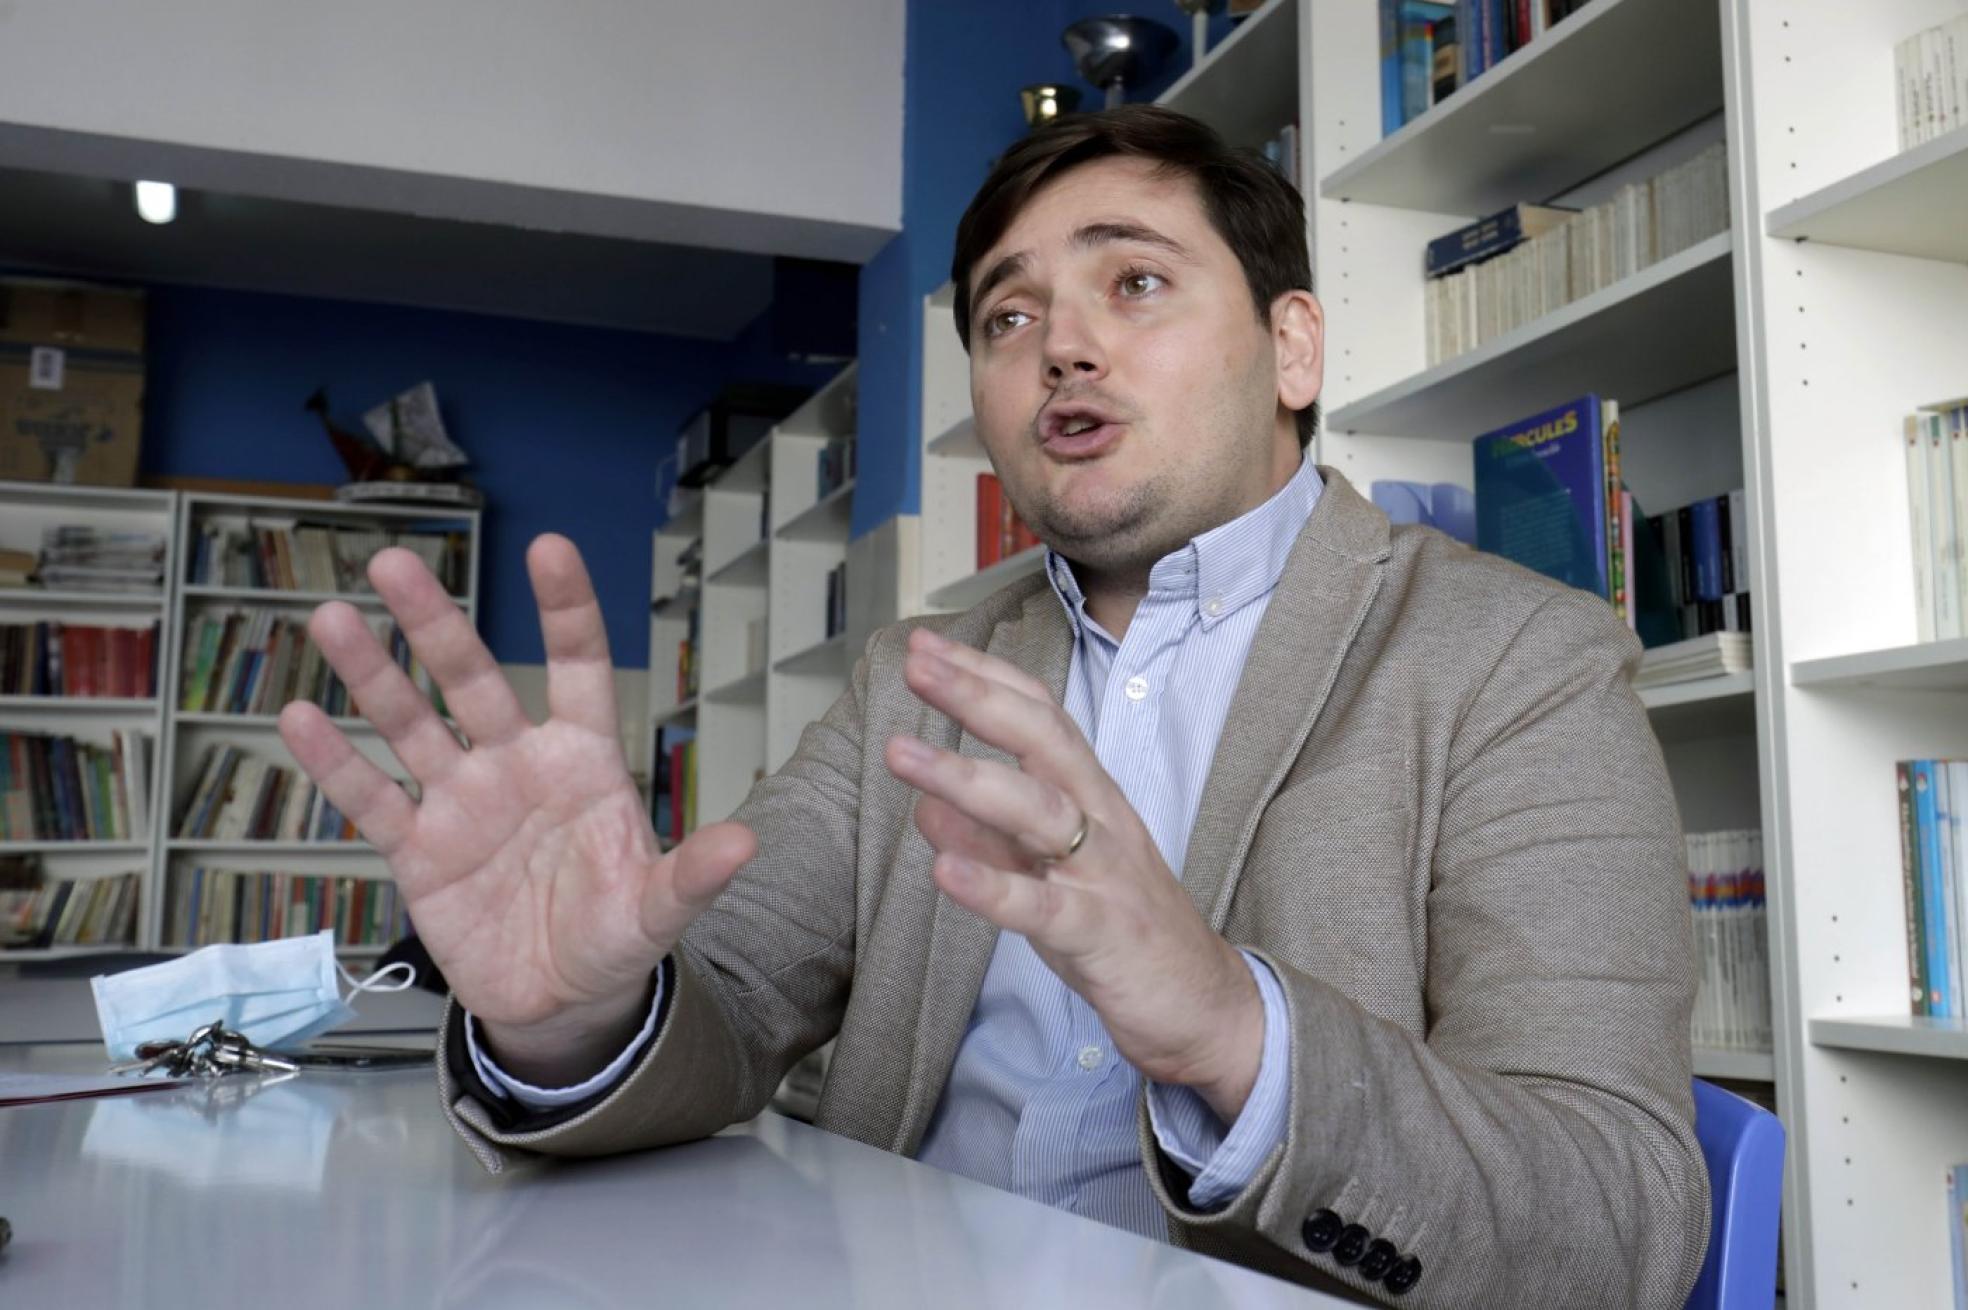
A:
[1038,1100]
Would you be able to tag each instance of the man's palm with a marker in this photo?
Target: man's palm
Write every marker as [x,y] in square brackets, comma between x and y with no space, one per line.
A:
[529,867]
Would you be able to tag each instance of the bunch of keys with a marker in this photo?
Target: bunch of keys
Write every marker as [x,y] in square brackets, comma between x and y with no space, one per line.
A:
[208,1053]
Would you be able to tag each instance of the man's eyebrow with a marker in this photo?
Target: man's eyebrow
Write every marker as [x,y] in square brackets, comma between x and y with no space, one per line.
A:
[1100,234]
[1008,267]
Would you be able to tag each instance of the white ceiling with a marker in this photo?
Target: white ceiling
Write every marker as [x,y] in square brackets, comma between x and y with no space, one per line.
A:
[88,226]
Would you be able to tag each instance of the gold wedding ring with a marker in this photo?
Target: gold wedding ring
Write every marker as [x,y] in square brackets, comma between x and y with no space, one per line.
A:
[1079,840]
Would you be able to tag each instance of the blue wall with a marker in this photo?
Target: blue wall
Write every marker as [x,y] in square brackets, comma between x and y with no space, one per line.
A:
[566,426]
[966,60]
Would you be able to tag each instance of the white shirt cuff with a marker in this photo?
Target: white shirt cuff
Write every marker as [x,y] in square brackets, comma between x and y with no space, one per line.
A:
[1189,1131]
[500,1083]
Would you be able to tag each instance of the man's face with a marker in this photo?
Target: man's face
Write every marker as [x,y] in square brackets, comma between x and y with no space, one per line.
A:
[1124,385]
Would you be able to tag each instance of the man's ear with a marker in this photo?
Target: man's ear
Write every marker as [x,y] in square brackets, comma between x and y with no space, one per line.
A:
[1298,335]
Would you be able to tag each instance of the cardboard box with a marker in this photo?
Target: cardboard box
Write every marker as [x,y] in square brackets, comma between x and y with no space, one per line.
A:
[71,382]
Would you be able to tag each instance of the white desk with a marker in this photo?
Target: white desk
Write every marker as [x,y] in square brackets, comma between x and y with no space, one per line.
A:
[349,1192]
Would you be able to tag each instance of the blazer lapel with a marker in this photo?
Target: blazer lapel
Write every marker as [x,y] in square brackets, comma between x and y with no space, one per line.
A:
[1040,642]
[1322,598]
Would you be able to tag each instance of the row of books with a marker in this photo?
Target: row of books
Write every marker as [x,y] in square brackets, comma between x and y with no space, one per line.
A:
[1957,1226]
[1000,532]
[37,912]
[836,620]
[1428,50]
[1934,877]
[284,554]
[204,906]
[835,467]
[1495,275]
[1732,939]
[689,664]
[1282,153]
[674,801]
[50,658]
[1550,497]
[1936,445]
[58,788]
[253,661]
[78,557]
[1930,71]
[241,797]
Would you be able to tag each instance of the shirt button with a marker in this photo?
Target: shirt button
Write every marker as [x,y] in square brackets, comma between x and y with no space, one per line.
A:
[1137,688]
[1090,1057]
[1214,606]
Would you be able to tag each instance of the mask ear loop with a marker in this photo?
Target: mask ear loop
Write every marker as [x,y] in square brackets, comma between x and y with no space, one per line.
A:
[374,982]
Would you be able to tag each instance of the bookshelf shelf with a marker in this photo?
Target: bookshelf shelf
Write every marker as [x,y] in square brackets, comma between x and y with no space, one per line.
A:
[271,596]
[1665,328]
[1702,708]
[46,847]
[1612,79]
[1247,87]
[1907,205]
[967,591]
[1927,666]
[681,712]
[1903,1034]
[959,440]
[746,569]
[826,520]
[38,598]
[349,723]
[680,600]
[79,704]
[1745,1066]
[828,657]
[16,955]
[748,690]
[262,847]
[748,472]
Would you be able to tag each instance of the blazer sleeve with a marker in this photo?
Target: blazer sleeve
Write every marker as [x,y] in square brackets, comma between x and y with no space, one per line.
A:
[759,979]
[1536,1147]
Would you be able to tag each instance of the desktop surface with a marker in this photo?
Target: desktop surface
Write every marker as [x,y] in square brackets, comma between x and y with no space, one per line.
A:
[338,1189]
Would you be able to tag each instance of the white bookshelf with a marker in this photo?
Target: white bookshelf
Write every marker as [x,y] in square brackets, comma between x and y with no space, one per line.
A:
[1852,290]
[767,665]
[189,733]
[26,508]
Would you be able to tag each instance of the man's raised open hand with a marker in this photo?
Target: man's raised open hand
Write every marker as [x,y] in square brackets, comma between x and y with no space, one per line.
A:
[528,863]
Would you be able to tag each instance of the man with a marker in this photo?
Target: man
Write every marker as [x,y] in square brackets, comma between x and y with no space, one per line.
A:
[1304,890]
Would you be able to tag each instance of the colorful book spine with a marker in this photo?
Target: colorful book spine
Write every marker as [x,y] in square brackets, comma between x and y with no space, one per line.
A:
[1940,998]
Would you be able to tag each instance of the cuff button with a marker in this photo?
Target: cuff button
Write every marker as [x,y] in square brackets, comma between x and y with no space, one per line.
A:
[1405,1274]
[1380,1258]
[1352,1244]
[1321,1231]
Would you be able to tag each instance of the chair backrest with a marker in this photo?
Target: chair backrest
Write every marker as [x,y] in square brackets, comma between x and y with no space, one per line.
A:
[1743,1145]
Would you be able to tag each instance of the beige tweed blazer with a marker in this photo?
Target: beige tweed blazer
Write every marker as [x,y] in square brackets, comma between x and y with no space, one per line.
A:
[1437,811]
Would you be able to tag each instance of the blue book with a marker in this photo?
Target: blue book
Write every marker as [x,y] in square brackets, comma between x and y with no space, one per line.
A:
[1541,494]
[1406,59]
[1706,549]
[1940,995]
[1489,236]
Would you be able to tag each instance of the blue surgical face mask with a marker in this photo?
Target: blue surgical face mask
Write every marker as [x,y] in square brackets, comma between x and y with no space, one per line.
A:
[277,994]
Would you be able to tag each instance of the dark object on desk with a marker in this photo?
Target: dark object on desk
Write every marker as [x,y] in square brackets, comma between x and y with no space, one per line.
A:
[361,1057]
[411,951]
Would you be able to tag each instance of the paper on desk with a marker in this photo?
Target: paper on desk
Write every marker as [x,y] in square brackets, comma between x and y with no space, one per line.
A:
[32,1088]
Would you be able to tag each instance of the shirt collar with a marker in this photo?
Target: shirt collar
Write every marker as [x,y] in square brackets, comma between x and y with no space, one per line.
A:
[1225,568]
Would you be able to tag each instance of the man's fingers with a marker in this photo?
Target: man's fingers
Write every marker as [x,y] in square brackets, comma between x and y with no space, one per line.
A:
[1034,818]
[380,809]
[984,665]
[947,828]
[1015,902]
[475,692]
[383,693]
[580,675]
[704,864]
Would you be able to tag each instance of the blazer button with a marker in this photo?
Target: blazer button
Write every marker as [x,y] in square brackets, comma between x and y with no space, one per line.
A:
[1379,1258]
[1405,1274]
[1321,1231]
[1352,1244]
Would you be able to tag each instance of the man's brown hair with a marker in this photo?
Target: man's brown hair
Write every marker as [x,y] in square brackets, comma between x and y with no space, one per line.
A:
[1259,215]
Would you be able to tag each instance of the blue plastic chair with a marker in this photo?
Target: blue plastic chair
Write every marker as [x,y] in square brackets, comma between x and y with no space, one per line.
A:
[1743,1145]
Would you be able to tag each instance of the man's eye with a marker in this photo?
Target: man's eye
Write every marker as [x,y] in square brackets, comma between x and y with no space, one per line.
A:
[1002,322]
[1138,283]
